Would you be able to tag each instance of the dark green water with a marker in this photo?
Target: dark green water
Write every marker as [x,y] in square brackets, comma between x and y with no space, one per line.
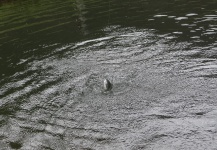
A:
[28,25]
[159,55]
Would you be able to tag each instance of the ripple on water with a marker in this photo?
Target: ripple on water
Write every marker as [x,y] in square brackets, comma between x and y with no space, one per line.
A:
[160,16]
[181,18]
[157,95]
[191,14]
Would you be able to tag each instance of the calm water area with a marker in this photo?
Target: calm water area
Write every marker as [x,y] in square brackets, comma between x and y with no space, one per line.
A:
[160,56]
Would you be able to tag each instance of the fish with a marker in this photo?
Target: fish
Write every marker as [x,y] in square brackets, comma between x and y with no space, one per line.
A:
[107,85]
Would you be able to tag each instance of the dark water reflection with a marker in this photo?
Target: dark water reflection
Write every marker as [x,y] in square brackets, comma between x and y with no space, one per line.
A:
[160,56]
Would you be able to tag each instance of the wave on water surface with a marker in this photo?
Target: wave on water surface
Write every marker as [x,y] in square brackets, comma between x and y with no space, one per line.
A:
[57,102]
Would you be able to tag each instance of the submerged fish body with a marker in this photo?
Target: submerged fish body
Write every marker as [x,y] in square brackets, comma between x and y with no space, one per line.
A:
[107,85]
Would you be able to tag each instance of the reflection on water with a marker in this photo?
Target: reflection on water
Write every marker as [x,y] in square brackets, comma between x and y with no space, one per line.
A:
[160,57]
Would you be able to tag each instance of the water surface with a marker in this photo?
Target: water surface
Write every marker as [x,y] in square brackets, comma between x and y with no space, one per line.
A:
[160,57]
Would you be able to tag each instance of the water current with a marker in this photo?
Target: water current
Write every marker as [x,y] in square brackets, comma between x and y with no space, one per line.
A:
[160,56]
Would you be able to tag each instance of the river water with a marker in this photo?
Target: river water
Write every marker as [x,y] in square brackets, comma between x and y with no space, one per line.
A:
[159,55]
